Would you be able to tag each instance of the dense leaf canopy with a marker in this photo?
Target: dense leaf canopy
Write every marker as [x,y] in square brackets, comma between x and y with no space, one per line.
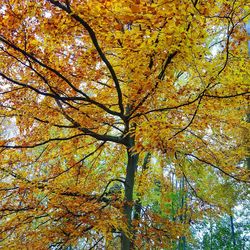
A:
[91,90]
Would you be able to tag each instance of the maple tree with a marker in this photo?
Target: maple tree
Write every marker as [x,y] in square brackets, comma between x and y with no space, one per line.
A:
[105,101]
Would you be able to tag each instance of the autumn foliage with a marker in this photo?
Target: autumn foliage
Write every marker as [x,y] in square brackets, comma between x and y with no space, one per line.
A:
[105,105]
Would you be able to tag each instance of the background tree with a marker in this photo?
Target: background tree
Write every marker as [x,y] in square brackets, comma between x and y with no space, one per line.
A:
[220,237]
[94,87]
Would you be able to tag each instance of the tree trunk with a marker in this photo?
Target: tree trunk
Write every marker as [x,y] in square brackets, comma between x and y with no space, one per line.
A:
[138,205]
[248,120]
[182,216]
[129,188]
[211,234]
[138,202]
[232,230]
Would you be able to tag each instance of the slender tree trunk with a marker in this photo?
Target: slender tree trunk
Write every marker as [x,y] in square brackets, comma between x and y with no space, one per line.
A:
[172,202]
[248,120]
[138,205]
[232,230]
[182,216]
[129,188]
[138,202]
[211,235]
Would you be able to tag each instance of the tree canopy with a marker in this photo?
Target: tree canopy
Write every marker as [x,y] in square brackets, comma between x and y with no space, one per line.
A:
[122,122]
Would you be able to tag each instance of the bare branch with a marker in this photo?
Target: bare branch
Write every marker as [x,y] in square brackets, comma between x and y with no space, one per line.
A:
[190,122]
[219,168]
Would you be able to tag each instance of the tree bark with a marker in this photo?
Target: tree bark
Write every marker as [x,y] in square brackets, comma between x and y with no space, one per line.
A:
[138,205]
[232,230]
[248,120]
[211,235]
[129,188]
[138,202]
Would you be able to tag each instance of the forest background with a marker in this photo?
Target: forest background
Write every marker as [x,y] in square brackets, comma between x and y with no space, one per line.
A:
[124,123]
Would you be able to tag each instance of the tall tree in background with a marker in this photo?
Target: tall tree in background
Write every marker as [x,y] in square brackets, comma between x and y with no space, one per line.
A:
[105,100]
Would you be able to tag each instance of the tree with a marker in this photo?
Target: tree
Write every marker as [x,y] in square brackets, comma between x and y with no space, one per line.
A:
[219,235]
[91,90]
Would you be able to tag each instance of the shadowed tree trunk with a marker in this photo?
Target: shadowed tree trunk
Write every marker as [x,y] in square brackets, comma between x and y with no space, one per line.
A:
[232,230]
[129,188]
